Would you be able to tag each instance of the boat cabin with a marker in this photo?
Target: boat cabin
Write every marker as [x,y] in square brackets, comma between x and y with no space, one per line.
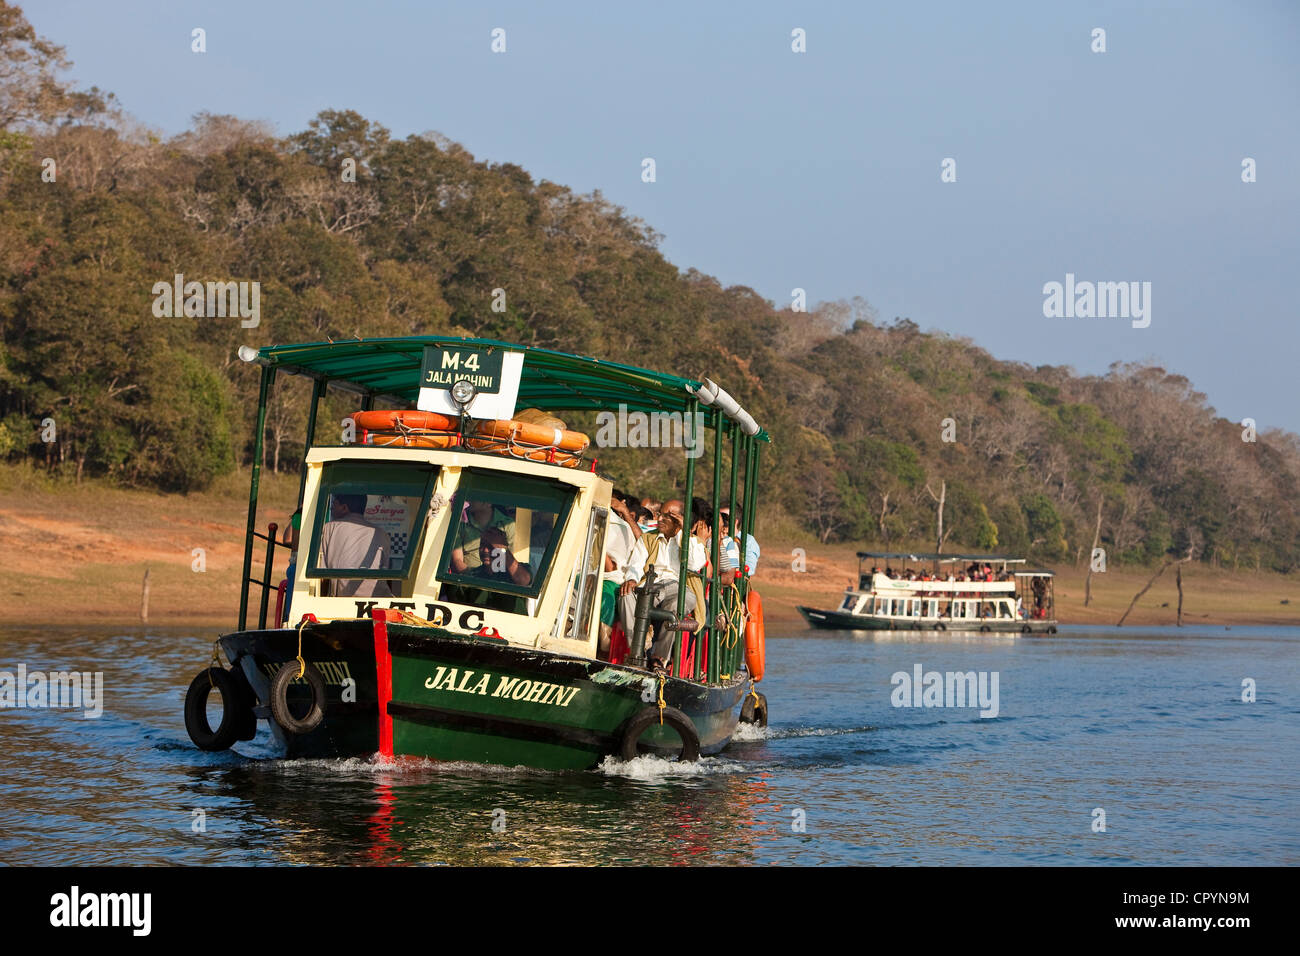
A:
[495,537]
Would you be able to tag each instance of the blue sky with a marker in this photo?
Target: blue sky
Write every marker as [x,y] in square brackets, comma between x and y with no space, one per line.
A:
[821,170]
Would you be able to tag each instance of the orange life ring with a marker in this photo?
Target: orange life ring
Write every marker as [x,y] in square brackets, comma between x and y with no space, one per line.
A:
[414,440]
[755,636]
[395,419]
[539,435]
[498,447]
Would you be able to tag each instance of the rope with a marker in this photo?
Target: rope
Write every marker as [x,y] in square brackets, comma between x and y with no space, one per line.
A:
[408,618]
[302,664]
[662,703]
[214,662]
[737,615]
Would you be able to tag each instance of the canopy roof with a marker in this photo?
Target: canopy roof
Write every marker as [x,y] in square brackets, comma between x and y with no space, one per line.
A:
[927,556]
[552,381]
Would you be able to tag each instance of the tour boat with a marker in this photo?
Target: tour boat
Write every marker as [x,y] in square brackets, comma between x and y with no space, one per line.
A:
[1010,598]
[385,641]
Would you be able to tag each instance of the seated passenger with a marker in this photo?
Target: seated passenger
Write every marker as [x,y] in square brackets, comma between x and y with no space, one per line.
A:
[649,518]
[751,546]
[348,540]
[496,564]
[477,518]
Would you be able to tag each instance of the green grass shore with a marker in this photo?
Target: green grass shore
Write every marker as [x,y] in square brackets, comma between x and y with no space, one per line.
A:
[79,553]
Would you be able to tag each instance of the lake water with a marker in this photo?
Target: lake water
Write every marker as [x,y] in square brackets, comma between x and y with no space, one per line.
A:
[1148,726]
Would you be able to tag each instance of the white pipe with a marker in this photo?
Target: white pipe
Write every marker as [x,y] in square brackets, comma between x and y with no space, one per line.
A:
[726,404]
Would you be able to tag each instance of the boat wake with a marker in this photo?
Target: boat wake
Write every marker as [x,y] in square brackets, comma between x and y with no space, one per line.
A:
[816,732]
[649,768]
[746,733]
[401,766]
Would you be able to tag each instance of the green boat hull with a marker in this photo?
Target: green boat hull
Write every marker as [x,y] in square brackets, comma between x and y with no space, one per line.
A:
[457,698]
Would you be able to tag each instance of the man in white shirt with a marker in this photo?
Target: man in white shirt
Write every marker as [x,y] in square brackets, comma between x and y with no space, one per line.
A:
[663,550]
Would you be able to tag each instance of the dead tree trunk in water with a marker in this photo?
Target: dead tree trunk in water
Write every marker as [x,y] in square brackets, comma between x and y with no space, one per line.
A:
[1163,568]
[1096,537]
[144,599]
[1179,578]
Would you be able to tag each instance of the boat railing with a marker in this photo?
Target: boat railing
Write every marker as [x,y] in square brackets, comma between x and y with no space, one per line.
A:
[272,542]
[882,585]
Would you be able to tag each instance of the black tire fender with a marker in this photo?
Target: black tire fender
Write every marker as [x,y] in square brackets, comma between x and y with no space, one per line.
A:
[941,626]
[285,676]
[673,718]
[246,728]
[985,629]
[1026,629]
[196,710]
[754,712]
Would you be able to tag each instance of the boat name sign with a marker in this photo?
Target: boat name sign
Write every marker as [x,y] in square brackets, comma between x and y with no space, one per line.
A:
[494,373]
[535,692]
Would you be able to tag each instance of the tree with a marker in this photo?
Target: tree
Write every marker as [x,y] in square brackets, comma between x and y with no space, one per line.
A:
[30,93]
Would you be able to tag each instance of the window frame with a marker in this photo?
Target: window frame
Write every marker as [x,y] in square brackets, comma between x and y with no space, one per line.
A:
[446,576]
[415,539]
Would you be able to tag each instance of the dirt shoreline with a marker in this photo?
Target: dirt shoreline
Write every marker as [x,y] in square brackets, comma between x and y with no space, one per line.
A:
[80,553]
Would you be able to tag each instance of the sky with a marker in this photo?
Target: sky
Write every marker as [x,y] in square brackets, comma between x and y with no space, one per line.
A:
[822,170]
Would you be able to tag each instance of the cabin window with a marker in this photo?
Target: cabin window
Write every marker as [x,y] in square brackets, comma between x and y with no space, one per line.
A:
[849,601]
[504,532]
[587,586]
[368,522]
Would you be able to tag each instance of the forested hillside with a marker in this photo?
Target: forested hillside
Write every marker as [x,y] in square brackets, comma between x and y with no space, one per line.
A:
[417,244]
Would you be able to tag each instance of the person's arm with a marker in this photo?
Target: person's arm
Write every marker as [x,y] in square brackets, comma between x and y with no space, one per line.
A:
[519,573]
[696,557]
[635,566]
[620,508]
[457,561]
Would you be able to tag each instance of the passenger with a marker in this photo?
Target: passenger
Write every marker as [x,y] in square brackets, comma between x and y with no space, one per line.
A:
[349,541]
[290,537]
[702,531]
[649,520]
[751,546]
[498,565]
[662,551]
[477,517]
[620,539]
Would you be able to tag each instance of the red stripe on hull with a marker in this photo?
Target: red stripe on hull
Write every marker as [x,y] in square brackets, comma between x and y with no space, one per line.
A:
[383,678]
